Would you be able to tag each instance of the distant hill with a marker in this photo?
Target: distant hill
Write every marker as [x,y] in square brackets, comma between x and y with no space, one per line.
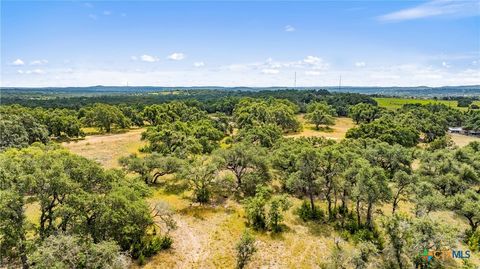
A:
[421,91]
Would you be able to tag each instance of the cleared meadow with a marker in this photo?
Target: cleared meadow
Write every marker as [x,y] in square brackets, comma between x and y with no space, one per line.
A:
[394,103]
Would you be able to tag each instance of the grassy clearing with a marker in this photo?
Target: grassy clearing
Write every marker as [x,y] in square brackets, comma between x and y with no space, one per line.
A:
[394,103]
[463,140]
[108,148]
[206,235]
[336,132]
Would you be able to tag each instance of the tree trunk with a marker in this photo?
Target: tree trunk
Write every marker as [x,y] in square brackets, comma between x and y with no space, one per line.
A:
[358,213]
[369,216]
[395,204]
[312,204]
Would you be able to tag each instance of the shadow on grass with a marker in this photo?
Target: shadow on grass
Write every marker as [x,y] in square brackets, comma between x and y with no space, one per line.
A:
[173,187]
[200,212]
[325,129]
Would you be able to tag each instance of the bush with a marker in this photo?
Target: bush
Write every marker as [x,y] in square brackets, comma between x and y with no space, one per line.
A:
[245,249]
[473,240]
[306,213]
[150,246]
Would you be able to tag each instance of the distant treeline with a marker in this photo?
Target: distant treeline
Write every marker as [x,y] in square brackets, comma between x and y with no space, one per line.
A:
[209,100]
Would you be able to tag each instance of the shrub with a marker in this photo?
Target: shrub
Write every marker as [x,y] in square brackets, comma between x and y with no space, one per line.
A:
[245,249]
[306,213]
[473,240]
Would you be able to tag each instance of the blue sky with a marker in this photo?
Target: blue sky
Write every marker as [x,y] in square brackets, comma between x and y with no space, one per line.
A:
[226,43]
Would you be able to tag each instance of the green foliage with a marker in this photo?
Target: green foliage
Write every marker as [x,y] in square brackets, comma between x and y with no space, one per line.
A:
[371,189]
[364,113]
[18,128]
[249,165]
[181,138]
[251,112]
[473,240]
[278,204]
[472,121]
[264,211]
[104,116]
[64,251]
[202,177]
[245,249]
[75,195]
[319,113]
[306,213]
[152,166]
[387,130]
[265,135]
[172,112]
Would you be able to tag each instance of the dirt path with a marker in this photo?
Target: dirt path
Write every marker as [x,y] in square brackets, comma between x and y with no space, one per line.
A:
[192,243]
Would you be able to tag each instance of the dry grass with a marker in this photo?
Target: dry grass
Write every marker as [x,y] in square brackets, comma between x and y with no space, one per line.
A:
[206,238]
[463,140]
[336,131]
[107,149]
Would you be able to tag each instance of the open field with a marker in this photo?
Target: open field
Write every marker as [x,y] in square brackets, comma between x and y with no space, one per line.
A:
[336,132]
[463,140]
[394,103]
[107,149]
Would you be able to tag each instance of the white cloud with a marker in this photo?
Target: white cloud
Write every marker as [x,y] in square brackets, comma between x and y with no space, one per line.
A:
[446,65]
[250,75]
[176,56]
[360,64]
[434,8]
[270,71]
[312,60]
[316,63]
[198,64]
[123,14]
[34,71]
[107,12]
[89,5]
[18,62]
[38,62]
[312,73]
[148,58]
[289,28]
[133,58]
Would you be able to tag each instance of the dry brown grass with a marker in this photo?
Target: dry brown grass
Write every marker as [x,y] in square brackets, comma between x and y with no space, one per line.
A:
[206,238]
[463,140]
[108,148]
[336,131]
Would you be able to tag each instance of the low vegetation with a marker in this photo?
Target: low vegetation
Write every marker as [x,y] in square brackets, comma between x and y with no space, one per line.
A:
[235,181]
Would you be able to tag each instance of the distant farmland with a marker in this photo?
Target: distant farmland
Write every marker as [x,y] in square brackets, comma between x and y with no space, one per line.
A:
[394,103]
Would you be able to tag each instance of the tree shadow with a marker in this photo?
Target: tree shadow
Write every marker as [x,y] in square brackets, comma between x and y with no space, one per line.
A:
[173,187]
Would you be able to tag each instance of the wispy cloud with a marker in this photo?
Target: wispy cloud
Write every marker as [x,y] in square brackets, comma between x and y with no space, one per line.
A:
[39,62]
[289,28]
[360,64]
[435,8]
[198,64]
[270,71]
[176,56]
[148,58]
[34,71]
[18,62]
